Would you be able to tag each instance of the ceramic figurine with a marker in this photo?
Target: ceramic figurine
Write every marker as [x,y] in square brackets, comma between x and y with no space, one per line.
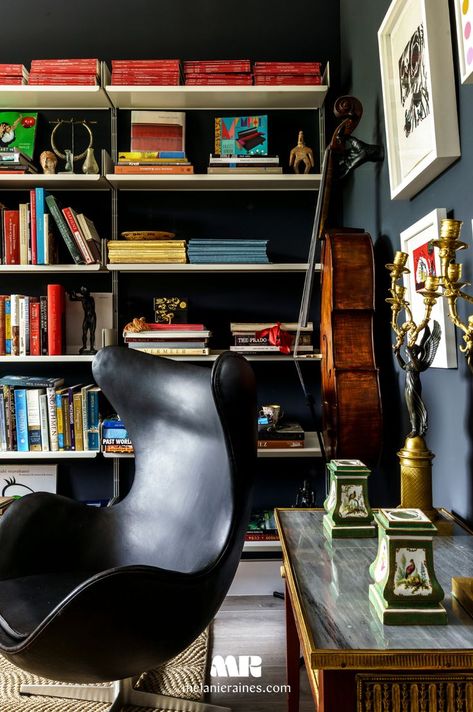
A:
[48,162]
[301,154]
[90,165]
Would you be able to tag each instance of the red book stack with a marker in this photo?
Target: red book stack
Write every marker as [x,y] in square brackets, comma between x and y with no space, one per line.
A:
[288,73]
[64,72]
[146,72]
[13,74]
[214,72]
[56,313]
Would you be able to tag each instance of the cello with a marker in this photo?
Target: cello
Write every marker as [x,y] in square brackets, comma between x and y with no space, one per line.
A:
[351,402]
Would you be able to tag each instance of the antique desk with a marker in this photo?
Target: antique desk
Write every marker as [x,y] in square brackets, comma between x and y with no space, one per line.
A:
[354,663]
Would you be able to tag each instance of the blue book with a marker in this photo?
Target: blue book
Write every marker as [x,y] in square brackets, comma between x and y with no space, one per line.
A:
[21,420]
[40,237]
[60,424]
[93,418]
[7,326]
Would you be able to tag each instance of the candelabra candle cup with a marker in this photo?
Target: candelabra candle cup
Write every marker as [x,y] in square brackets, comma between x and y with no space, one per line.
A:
[450,229]
[454,272]
[400,259]
[432,285]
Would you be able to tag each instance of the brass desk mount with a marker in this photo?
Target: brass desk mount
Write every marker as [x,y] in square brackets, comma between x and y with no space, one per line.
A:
[414,348]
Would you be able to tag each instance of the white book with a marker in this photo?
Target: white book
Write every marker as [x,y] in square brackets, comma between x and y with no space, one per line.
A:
[3,425]
[34,418]
[22,326]
[43,416]
[15,324]
[52,419]
[24,232]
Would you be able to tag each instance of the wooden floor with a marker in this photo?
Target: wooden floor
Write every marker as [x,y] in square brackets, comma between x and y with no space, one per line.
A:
[254,625]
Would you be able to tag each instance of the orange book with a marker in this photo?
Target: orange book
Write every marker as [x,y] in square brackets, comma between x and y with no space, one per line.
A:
[150,170]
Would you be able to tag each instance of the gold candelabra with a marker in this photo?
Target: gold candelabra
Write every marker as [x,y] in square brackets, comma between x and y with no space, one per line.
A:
[451,281]
[415,348]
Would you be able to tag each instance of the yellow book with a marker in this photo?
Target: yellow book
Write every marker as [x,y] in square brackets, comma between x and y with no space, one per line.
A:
[77,413]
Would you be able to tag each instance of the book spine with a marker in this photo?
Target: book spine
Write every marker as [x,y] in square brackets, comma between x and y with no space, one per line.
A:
[176,352]
[55,318]
[10,416]
[15,324]
[40,225]
[93,419]
[8,325]
[85,422]
[43,324]
[47,245]
[66,421]
[11,232]
[43,416]
[3,424]
[280,444]
[3,299]
[34,250]
[21,419]
[64,230]
[218,135]
[35,332]
[77,417]
[22,326]
[149,170]
[24,232]
[76,233]
[52,419]
[59,421]
[34,419]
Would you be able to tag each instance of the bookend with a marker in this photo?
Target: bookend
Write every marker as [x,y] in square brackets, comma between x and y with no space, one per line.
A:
[118,694]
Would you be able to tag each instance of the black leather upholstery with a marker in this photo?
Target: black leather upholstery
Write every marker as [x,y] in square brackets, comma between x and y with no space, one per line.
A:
[89,595]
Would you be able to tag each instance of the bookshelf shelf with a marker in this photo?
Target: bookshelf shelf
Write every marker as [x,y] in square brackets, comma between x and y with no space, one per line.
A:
[203,181]
[49,455]
[51,269]
[217,97]
[203,268]
[63,358]
[57,181]
[315,356]
[53,97]
[262,546]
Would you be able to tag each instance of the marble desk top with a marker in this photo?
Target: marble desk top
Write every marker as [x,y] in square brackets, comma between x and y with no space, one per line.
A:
[330,582]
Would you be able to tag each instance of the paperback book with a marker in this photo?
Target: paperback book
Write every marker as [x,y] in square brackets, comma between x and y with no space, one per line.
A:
[241,135]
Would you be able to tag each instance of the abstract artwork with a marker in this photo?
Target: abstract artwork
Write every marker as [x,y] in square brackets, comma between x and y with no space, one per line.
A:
[464,21]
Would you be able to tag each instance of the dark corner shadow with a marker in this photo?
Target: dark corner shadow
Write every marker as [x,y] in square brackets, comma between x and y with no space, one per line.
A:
[385,486]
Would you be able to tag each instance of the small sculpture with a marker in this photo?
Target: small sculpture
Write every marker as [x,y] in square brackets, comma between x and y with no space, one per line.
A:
[90,318]
[301,154]
[90,165]
[305,496]
[48,162]
[69,167]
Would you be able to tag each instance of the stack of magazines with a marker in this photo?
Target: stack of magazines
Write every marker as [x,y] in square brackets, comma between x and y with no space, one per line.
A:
[227,251]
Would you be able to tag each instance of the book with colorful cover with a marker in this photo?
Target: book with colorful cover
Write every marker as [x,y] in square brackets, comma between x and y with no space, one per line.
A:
[241,135]
[18,130]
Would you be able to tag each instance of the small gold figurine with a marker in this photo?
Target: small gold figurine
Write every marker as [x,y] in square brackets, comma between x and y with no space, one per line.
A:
[301,154]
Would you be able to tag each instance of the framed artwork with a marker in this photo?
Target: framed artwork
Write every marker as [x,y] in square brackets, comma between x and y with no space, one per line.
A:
[418,93]
[464,22]
[424,261]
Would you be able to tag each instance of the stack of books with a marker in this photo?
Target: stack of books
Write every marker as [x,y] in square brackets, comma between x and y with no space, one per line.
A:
[250,338]
[147,251]
[115,438]
[13,74]
[33,326]
[36,414]
[262,526]
[227,251]
[232,165]
[64,71]
[146,72]
[153,162]
[215,72]
[290,73]
[15,162]
[170,339]
[285,435]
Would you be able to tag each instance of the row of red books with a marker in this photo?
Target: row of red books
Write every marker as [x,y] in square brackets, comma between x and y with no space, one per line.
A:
[146,72]
[241,72]
[13,74]
[52,71]
[33,325]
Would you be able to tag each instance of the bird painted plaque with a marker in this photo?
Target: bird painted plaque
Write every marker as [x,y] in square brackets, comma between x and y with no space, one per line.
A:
[405,589]
[348,511]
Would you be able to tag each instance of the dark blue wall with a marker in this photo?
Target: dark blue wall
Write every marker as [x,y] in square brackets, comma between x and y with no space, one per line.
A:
[367,204]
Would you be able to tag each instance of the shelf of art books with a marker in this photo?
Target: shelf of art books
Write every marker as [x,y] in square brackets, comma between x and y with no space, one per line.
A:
[34,269]
[61,358]
[218,97]
[203,181]
[49,455]
[202,268]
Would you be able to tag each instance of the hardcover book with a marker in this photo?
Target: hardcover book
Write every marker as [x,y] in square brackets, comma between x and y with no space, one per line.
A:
[19,480]
[169,310]
[18,130]
[158,131]
[241,135]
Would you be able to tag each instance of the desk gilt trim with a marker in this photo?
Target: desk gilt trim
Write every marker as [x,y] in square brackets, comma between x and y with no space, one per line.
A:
[414,693]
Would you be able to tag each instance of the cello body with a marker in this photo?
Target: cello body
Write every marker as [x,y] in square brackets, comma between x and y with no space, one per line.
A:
[352,418]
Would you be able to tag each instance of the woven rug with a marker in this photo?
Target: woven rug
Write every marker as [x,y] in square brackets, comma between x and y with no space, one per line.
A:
[188,668]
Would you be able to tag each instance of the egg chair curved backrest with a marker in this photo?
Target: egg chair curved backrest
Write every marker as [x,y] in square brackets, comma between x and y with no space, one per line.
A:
[88,594]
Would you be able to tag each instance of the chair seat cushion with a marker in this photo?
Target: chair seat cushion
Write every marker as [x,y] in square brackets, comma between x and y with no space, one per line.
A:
[25,601]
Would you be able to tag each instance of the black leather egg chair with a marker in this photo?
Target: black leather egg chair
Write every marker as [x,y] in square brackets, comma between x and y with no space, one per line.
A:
[95,594]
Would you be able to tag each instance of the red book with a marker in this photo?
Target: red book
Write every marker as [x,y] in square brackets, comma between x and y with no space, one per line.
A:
[152,169]
[56,308]
[172,327]
[35,329]
[34,249]
[13,69]
[65,66]
[229,65]
[288,79]
[11,236]
[3,297]
[7,79]
[287,67]
[146,63]
[150,82]
[63,80]
[80,240]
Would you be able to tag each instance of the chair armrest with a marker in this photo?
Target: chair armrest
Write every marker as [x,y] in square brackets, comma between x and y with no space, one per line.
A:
[40,532]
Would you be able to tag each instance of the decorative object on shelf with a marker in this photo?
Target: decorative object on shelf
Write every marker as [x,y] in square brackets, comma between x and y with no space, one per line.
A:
[90,318]
[90,165]
[69,155]
[420,345]
[424,261]
[301,154]
[418,93]
[305,496]
[405,589]
[464,22]
[147,235]
[48,162]
[170,310]
[269,416]
[348,511]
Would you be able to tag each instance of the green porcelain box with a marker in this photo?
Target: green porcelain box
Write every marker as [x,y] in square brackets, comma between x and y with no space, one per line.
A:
[348,511]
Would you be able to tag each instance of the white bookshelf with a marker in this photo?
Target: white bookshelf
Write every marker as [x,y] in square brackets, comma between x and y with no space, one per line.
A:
[262,546]
[63,358]
[204,181]
[56,181]
[269,356]
[53,97]
[203,268]
[49,455]
[35,269]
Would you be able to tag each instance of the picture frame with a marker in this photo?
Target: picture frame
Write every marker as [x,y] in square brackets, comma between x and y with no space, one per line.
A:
[418,87]
[423,260]
[464,26]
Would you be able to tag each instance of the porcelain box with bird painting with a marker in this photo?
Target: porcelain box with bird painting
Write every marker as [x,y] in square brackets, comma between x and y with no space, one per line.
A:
[405,589]
[349,514]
